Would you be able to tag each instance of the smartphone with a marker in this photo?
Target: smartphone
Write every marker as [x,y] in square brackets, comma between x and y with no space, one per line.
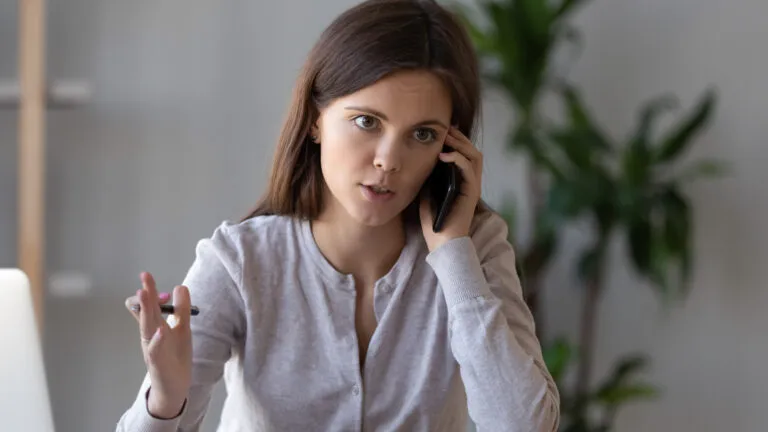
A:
[443,186]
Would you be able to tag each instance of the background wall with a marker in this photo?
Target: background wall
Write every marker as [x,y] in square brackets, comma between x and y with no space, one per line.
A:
[188,100]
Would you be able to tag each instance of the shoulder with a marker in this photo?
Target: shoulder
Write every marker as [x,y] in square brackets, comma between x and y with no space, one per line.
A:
[256,229]
[239,244]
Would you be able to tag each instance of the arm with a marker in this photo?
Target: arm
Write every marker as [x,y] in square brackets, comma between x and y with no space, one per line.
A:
[213,281]
[492,333]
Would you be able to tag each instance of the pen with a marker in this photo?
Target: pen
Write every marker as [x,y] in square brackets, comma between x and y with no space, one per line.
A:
[166,309]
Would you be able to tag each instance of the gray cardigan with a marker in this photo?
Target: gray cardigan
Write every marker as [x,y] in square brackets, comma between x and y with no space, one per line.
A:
[277,321]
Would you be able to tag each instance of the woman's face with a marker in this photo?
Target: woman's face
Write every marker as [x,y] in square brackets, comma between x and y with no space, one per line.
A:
[379,145]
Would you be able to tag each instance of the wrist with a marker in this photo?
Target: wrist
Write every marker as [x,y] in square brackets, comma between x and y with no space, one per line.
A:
[442,238]
[163,407]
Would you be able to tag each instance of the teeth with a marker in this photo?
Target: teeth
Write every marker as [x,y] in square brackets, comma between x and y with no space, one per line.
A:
[379,189]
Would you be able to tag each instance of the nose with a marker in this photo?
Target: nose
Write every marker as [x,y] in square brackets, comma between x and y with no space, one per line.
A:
[388,156]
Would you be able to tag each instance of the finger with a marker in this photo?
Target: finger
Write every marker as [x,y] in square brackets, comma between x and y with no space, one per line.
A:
[149,316]
[163,297]
[148,282]
[130,302]
[155,342]
[148,285]
[461,143]
[467,170]
[133,301]
[455,139]
[182,305]
[147,324]
[469,184]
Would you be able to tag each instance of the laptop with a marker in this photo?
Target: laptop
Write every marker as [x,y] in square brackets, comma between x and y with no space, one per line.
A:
[24,401]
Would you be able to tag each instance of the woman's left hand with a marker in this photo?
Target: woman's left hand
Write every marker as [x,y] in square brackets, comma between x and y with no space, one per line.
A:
[470,162]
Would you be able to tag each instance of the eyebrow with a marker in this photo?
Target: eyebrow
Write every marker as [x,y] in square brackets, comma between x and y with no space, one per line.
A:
[384,117]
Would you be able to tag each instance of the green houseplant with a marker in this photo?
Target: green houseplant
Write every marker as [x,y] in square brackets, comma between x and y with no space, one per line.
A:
[633,184]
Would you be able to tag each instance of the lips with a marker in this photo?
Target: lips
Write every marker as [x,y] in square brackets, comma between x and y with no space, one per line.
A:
[378,188]
[376,193]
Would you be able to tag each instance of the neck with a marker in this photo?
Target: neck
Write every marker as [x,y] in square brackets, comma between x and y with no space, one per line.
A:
[368,253]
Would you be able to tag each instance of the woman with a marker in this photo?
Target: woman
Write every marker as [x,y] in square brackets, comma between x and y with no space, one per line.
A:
[335,306]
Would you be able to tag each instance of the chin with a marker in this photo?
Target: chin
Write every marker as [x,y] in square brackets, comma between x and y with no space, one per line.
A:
[373,218]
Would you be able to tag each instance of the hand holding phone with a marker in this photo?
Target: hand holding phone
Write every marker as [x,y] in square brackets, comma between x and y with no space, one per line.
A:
[452,191]
[443,189]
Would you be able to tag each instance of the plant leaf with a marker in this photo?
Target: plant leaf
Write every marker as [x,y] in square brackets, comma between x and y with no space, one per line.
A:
[523,137]
[575,145]
[563,202]
[577,112]
[627,366]
[648,114]
[620,394]
[566,7]
[581,120]
[588,264]
[617,388]
[677,234]
[702,168]
[637,156]
[509,214]
[537,17]
[542,248]
[681,136]
[557,357]
[640,238]
[483,42]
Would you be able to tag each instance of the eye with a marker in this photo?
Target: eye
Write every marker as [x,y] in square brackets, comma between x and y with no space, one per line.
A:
[365,122]
[425,135]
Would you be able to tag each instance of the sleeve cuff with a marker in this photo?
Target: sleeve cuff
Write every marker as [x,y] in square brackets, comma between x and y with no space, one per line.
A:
[146,422]
[458,269]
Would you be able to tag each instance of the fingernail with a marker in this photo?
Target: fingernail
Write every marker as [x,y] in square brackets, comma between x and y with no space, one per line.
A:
[157,333]
[164,296]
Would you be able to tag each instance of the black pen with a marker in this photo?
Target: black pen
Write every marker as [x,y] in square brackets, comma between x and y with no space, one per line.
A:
[166,309]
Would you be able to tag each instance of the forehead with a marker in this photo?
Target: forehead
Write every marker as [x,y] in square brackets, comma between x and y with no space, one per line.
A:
[406,96]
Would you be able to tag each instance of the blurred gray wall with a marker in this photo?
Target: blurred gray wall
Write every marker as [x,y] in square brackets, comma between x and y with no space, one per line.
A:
[188,100]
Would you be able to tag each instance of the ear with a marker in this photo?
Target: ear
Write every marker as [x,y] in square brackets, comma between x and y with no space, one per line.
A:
[314,134]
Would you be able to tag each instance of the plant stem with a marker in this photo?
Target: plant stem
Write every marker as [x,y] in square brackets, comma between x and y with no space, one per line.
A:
[588,327]
[536,194]
[533,300]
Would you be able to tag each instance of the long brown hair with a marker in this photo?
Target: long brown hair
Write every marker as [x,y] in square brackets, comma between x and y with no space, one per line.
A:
[361,46]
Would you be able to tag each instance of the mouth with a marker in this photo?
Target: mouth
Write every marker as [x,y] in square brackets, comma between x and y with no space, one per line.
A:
[376,192]
[379,189]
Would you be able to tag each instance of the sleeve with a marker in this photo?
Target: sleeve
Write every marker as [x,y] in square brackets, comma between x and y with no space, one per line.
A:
[213,281]
[493,334]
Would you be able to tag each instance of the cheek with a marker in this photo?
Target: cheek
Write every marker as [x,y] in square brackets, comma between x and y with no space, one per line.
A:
[422,167]
[342,152]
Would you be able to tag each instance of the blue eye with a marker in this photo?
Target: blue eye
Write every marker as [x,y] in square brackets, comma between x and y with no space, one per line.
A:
[365,122]
[425,135]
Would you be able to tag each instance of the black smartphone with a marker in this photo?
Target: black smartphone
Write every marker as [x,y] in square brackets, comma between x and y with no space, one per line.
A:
[443,186]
